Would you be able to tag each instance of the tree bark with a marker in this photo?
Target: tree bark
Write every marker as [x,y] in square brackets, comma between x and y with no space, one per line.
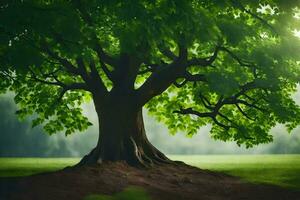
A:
[122,136]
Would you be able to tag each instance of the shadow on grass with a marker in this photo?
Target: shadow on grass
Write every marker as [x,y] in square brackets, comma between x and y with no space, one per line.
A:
[130,193]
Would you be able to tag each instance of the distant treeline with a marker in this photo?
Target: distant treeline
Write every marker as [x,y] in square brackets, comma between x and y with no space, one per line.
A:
[18,139]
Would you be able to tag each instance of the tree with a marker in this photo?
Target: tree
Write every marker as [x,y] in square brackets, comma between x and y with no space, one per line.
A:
[233,64]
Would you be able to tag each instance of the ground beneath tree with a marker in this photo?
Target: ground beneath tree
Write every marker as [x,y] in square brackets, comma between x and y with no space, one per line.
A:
[164,182]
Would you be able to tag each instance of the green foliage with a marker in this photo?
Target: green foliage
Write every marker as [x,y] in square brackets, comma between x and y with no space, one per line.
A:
[275,73]
[254,42]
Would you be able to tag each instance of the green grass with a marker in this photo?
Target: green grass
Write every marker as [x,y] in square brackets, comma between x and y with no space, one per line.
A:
[11,167]
[282,170]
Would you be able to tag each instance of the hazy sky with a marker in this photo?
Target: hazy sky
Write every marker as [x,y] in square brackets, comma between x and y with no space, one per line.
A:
[19,139]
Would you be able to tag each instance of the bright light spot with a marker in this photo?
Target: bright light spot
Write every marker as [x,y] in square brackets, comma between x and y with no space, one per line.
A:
[296,33]
[264,35]
[266,9]
[297,15]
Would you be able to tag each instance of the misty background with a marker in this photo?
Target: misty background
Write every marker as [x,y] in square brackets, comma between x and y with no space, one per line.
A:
[18,139]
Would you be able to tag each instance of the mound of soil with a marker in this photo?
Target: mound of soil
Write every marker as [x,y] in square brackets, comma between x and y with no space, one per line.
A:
[164,182]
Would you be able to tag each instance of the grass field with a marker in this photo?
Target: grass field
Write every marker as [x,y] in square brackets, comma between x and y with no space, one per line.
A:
[282,170]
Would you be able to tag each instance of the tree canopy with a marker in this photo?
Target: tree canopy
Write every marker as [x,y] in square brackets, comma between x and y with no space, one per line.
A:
[233,64]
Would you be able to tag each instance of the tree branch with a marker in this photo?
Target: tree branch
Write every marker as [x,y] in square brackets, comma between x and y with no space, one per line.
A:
[204,61]
[97,79]
[107,72]
[88,20]
[264,22]
[245,114]
[194,77]
[187,111]
[235,57]
[214,110]
[162,78]
[168,53]
[104,57]
[188,77]
[36,79]
[149,68]
[70,86]
[66,88]
[179,85]
[64,62]
[212,115]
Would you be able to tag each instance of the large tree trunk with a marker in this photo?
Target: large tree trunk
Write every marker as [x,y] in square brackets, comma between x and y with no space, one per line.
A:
[122,136]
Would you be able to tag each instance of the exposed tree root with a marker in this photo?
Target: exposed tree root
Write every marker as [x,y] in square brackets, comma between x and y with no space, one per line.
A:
[142,155]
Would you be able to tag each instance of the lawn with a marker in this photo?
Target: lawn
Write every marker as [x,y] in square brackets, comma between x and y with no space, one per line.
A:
[282,170]
[10,167]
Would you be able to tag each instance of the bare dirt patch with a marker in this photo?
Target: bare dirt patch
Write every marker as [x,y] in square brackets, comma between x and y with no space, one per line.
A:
[164,182]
